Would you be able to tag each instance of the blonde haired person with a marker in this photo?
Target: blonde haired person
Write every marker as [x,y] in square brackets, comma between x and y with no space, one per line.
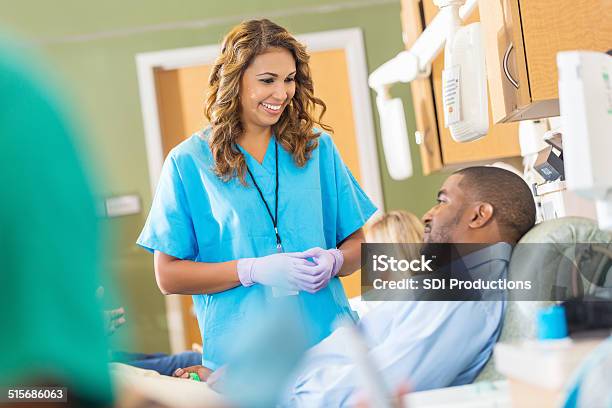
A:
[260,202]
[397,227]
[394,227]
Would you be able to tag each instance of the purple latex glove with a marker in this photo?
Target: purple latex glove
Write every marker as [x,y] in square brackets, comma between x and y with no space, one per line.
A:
[327,265]
[277,270]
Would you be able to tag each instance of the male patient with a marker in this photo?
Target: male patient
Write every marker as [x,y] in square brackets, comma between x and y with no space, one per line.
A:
[433,344]
[430,344]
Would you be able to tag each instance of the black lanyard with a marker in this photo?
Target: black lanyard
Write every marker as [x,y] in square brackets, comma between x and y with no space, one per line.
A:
[274,218]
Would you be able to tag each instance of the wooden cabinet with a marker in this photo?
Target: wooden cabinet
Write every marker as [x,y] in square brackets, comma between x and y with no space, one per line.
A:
[438,149]
[422,93]
[522,39]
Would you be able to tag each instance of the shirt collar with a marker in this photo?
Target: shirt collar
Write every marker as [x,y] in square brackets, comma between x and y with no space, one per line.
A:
[498,251]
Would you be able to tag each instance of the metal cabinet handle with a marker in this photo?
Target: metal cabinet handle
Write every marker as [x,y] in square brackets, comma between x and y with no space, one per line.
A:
[505,64]
[419,137]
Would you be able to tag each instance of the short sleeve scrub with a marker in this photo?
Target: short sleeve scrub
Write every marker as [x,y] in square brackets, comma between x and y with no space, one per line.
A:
[197,216]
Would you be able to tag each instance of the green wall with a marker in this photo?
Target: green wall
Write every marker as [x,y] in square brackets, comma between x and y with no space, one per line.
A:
[93,44]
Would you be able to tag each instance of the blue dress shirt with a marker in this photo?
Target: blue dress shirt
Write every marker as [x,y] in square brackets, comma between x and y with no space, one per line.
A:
[426,344]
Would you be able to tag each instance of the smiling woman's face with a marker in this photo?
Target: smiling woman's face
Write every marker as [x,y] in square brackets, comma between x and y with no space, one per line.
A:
[266,88]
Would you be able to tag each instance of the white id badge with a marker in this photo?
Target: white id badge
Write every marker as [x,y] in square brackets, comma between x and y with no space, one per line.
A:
[280,292]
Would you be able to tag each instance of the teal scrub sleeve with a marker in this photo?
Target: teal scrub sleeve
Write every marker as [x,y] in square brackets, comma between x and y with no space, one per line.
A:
[169,227]
[354,206]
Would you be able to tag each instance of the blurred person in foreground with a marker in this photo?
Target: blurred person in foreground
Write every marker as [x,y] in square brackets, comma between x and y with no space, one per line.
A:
[53,331]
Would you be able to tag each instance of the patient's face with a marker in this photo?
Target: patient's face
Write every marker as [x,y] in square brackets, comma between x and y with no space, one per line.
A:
[444,222]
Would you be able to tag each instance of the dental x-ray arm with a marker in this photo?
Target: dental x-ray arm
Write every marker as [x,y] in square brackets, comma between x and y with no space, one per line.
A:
[416,62]
[405,67]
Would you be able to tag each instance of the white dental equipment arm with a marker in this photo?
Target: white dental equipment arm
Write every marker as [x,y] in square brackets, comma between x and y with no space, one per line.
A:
[405,67]
[416,62]
[585,102]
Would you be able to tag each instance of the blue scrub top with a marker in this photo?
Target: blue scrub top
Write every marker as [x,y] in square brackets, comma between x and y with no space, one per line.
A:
[196,216]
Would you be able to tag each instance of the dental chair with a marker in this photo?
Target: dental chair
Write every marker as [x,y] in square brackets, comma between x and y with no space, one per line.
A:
[567,269]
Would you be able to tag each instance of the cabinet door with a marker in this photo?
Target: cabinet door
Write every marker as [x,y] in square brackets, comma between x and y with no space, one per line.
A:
[550,26]
[505,56]
[502,140]
[422,93]
[523,39]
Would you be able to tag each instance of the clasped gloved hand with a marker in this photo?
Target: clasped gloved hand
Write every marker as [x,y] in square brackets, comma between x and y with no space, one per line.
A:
[327,265]
[277,270]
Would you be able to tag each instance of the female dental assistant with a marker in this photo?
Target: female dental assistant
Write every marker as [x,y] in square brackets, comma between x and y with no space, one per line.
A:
[260,201]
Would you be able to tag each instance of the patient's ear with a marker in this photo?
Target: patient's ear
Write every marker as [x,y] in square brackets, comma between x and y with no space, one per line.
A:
[481,215]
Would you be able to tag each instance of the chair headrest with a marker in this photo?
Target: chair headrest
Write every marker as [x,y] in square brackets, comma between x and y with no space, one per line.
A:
[568,256]
[566,230]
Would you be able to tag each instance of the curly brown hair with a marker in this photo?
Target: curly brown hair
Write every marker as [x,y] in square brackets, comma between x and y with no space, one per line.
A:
[294,129]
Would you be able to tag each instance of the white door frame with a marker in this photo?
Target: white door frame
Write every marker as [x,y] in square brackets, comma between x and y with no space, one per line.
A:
[350,40]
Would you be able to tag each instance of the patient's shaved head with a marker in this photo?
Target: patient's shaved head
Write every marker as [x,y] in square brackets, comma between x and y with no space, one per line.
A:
[513,205]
